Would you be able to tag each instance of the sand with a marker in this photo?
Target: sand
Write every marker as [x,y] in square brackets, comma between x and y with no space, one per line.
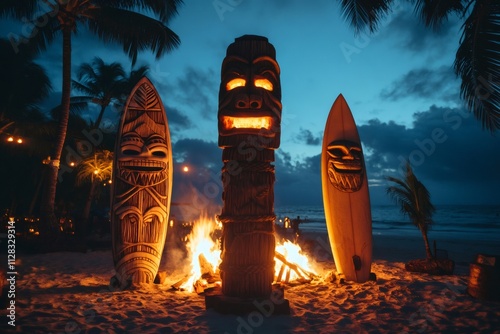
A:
[68,292]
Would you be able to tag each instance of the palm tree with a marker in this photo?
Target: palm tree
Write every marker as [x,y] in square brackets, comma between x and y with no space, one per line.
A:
[96,169]
[415,202]
[104,84]
[477,57]
[118,21]
[24,83]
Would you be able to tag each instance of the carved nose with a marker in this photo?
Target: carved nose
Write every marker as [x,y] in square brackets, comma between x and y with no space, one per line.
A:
[247,102]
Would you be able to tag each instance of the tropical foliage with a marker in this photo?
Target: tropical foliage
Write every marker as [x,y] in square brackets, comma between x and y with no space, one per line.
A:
[105,84]
[115,21]
[477,57]
[95,169]
[415,202]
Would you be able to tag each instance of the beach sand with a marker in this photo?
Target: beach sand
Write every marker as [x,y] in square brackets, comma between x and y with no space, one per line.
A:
[68,292]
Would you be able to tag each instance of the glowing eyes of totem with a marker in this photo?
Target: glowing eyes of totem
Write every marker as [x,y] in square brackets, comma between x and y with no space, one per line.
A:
[240,82]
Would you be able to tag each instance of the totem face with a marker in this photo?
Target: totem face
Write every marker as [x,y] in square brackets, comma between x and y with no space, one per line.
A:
[142,187]
[250,94]
[143,154]
[345,165]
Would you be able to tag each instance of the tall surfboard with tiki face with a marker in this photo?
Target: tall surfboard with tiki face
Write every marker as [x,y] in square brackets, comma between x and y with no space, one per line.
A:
[345,194]
[142,187]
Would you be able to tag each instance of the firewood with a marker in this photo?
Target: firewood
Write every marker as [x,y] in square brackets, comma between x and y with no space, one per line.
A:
[177,286]
[295,267]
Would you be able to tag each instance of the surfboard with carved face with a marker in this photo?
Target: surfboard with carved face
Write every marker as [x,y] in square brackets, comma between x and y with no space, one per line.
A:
[142,187]
[345,194]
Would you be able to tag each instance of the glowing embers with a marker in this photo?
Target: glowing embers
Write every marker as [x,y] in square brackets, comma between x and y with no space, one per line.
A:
[345,165]
[264,122]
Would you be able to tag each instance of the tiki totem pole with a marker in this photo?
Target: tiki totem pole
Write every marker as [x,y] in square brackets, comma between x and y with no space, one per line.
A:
[142,186]
[249,131]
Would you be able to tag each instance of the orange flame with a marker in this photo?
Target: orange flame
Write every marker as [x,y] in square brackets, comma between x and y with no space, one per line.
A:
[200,242]
[247,122]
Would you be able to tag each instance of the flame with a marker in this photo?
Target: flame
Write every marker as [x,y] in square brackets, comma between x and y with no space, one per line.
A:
[293,254]
[199,242]
[247,122]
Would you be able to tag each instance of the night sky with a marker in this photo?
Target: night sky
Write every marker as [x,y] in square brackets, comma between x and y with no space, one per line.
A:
[399,83]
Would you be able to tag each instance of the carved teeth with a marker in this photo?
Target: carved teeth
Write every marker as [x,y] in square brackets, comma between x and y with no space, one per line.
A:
[141,177]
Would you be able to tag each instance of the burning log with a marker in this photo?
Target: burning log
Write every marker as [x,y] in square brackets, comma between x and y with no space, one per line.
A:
[304,276]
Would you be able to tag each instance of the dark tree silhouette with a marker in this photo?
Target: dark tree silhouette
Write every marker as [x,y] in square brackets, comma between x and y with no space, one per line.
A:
[414,201]
[478,54]
[104,84]
[113,21]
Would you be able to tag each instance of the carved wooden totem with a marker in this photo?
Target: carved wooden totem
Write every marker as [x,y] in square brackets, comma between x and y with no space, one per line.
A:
[142,186]
[249,121]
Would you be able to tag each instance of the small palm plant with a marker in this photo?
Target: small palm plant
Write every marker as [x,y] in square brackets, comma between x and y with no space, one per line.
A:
[96,169]
[415,202]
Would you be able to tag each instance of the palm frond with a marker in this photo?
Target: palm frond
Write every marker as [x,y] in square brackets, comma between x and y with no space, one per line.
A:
[134,31]
[477,63]
[165,10]
[99,165]
[41,37]
[412,197]
[365,13]
[434,12]
[18,9]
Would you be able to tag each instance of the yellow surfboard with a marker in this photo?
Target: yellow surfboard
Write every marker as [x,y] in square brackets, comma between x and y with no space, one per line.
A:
[345,194]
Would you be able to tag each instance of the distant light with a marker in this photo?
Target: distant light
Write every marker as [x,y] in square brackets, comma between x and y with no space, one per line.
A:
[110,181]
[185,169]
[72,164]
[19,141]
[10,139]
[96,172]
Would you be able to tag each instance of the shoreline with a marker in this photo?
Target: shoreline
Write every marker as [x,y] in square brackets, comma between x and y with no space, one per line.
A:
[405,248]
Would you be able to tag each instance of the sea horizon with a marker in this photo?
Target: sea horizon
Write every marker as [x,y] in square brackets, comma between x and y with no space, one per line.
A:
[478,222]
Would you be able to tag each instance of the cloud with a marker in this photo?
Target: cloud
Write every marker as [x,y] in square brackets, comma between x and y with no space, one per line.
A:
[410,34]
[306,136]
[425,83]
[447,149]
[449,152]
[176,119]
[197,89]
[297,183]
[197,152]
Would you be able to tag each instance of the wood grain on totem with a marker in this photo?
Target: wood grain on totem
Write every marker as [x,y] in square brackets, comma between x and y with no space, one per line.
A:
[142,186]
[345,194]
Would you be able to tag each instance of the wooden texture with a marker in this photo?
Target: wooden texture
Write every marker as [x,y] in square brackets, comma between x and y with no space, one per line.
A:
[484,277]
[250,93]
[345,194]
[142,187]
[250,59]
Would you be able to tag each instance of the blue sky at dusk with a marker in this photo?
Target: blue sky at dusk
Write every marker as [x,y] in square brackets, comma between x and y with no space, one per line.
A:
[399,84]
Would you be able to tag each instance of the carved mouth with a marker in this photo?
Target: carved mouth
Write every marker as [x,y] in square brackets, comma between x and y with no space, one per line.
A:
[143,165]
[138,248]
[347,167]
[143,172]
[257,123]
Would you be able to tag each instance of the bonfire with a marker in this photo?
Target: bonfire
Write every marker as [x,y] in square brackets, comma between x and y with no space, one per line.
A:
[292,266]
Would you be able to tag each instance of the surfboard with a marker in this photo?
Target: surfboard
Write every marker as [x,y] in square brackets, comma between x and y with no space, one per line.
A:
[345,194]
[141,187]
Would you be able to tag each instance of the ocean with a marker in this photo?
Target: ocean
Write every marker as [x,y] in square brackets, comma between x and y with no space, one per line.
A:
[477,222]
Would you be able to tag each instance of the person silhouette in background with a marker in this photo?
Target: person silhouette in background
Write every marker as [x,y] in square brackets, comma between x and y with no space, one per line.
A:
[295,227]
